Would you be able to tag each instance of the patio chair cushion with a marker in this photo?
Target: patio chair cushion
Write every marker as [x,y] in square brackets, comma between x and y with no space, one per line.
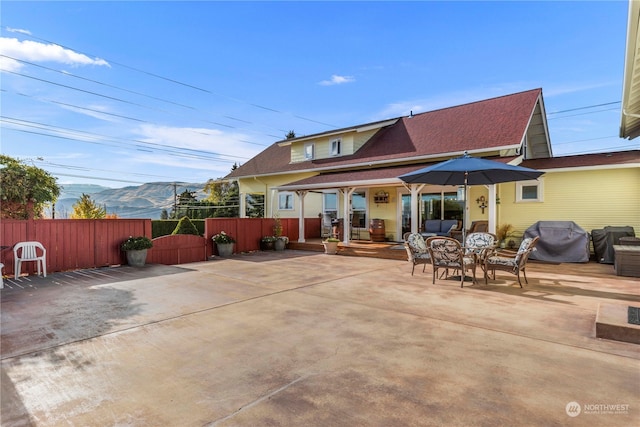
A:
[417,244]
[479,245]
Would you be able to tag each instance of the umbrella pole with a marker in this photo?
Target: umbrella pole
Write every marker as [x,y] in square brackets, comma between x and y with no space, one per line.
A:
[464,210]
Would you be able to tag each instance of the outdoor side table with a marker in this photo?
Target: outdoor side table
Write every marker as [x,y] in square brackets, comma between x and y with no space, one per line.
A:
[627,260]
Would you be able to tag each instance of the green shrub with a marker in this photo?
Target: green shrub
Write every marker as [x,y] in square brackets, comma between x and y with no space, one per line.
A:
[185,226]
[165,227]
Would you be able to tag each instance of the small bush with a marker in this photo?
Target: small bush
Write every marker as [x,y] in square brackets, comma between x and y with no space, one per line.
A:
[185,226]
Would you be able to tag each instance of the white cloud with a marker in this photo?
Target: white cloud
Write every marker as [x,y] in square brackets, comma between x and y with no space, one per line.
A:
[39,52]
[337,80]
[18,30]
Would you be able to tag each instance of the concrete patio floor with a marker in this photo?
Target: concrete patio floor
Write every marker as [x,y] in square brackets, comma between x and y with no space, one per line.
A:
[299,338]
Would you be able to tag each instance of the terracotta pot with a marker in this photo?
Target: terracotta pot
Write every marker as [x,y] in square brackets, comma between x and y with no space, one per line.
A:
[330,248]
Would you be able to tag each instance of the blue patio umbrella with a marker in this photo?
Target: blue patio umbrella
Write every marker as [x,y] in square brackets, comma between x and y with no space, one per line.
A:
[467,170]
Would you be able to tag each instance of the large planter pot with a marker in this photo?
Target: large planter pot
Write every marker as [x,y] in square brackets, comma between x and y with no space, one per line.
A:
[280,245]
[330,248]
[225,249]
[267,246]
[137,258]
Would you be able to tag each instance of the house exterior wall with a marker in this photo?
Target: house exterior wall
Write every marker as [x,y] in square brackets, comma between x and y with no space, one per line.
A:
[592,199]
[350,143]
[264,185]
[360,138]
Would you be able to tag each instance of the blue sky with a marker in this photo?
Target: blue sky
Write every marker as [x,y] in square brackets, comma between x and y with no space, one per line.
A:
[122,93]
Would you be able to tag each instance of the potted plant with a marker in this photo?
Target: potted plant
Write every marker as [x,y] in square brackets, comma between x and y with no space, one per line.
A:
[502,232]
[331,245]
[224,243]
[136,250]
[281,243]
[267,243]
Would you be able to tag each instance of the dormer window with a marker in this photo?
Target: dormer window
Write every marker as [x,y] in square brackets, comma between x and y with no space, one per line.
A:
[309,151]
[335,147]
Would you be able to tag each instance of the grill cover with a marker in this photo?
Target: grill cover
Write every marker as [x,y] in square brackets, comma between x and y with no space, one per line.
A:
[604,239]
[560,241]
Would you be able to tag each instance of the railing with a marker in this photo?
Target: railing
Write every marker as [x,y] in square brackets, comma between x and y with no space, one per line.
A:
[74,244]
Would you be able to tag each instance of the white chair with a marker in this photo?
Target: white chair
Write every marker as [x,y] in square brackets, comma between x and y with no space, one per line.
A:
[28,251]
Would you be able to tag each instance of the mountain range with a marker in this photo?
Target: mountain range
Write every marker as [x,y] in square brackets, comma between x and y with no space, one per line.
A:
[143,201]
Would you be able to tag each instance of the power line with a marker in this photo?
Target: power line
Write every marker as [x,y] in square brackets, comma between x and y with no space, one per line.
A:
[187,85]
[581,114]
[67,74]
[156,146]
[584,108]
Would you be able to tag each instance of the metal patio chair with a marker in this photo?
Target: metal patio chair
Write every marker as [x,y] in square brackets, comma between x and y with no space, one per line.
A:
[447,253]
[417,251]
[509,261]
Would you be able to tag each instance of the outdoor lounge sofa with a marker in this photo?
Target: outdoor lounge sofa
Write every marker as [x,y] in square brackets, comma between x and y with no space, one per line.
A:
[439,227]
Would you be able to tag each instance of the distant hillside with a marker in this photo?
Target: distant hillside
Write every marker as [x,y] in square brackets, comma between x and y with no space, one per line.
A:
[143,201]
[74,191]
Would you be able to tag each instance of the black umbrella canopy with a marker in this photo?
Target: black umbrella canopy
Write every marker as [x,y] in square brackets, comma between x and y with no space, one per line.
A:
[467,170]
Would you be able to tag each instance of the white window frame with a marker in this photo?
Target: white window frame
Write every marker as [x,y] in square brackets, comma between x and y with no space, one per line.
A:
[336,147]
[325,210]
[309,151]
[365,193]
[283,197]
[520,185]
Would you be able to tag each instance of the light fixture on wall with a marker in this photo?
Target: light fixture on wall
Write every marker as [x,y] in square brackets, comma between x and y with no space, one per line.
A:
[481,201]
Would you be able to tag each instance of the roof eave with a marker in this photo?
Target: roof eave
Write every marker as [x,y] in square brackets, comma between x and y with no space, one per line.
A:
[386,162]
[630,114]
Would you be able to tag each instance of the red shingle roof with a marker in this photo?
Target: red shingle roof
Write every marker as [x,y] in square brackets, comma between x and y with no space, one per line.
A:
[484,125]
[585,160]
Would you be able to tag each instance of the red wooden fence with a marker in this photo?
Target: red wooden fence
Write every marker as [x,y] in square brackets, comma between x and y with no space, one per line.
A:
[177,249]
[87,243]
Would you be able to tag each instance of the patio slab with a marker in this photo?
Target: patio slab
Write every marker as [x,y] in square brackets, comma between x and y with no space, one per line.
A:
[299,338]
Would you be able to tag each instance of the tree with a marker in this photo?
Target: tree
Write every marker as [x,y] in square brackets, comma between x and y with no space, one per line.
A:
[24,189]
[87,208]
[164,214]
[186,200]
[291,134]
[225,195]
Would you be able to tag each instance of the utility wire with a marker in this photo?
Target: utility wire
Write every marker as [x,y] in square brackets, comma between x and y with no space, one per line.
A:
[584,108]
[187,85]
[93,110]
[161,147]
[67,74]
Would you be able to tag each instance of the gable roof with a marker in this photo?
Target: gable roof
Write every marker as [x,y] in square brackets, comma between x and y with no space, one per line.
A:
[479,127]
